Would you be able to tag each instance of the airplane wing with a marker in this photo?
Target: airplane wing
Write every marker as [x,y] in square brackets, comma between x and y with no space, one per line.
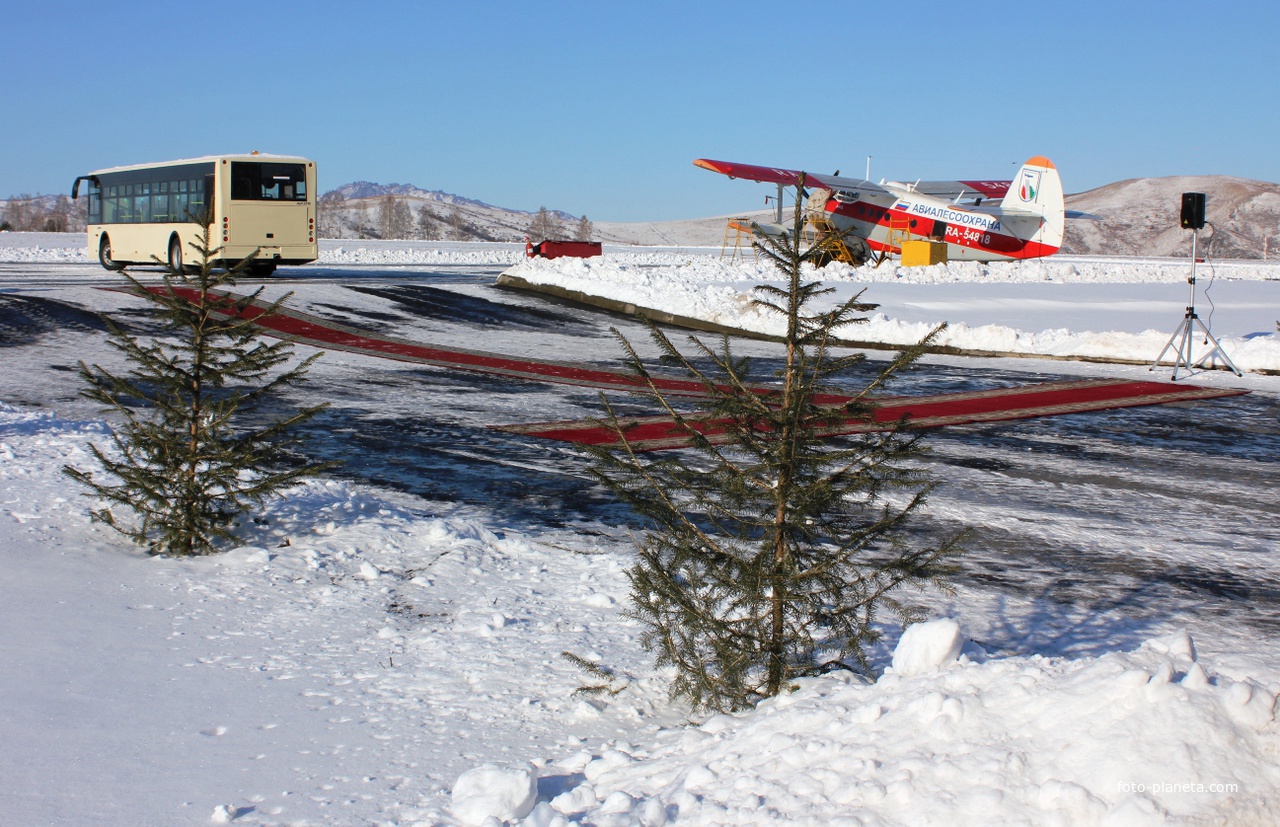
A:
[950,190]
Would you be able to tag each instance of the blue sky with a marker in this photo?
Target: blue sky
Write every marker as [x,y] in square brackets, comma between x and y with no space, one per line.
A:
[600,108]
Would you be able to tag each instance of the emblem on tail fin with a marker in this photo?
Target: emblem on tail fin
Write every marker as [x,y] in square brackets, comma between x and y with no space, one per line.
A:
[1029,186]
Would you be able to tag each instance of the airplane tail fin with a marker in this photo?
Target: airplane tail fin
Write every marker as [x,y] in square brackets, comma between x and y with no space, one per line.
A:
[1037,190]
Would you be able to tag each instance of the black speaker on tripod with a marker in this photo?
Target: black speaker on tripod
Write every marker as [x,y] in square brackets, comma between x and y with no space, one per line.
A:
[1192,210]
[1185,336]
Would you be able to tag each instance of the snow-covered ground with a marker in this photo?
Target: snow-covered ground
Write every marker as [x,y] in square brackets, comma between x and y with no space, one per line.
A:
[71,248]
[1123,309]
[365,649]
[1105,309]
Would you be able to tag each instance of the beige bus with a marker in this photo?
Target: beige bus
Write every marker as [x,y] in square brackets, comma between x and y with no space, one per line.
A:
[263,203]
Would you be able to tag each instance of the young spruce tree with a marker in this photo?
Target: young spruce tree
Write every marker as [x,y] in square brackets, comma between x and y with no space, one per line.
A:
[769,558]
[188,458]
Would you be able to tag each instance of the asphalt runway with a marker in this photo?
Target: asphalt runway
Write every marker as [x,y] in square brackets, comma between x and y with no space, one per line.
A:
[1111,524]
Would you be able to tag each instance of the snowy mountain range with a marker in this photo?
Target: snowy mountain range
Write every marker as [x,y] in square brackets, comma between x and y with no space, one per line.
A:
[1139,217]
[352,210]
[365,189]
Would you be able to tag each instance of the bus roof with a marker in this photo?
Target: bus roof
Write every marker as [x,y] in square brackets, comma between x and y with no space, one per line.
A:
[248,156]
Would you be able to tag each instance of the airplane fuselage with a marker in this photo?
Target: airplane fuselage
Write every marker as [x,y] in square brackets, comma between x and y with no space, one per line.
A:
[884,220]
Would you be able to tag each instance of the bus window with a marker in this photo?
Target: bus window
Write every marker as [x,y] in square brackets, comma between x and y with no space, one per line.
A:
[110,205]
[160,202]
[141,204]
[265,181]
[202,201]
[181,200]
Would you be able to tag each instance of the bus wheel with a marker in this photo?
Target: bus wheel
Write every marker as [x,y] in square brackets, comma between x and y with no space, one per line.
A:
[175,255]
[104,255]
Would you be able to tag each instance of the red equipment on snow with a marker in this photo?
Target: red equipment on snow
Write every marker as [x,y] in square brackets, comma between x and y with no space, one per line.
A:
[557,249]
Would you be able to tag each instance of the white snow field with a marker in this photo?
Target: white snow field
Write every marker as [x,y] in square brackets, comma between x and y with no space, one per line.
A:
[1123,309]
[1104,309]
[368,657]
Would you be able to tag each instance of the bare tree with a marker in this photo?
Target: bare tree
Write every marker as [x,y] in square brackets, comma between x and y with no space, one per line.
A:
[427,226]
[41,214]
[584,230]
[545,225]
[386,216]
[329,209]
[18,213]
[360,216]
[401,219]
[77,214]
[457,224]
[57,219]
[394,217]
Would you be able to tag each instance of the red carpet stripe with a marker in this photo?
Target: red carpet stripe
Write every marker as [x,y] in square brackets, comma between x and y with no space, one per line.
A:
[654,433]
[322,333]
[1047,399]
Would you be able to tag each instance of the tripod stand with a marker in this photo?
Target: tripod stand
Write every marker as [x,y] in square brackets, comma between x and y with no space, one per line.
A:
[1186,332]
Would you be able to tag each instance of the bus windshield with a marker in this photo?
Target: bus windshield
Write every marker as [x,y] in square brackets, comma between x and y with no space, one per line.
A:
[267,181]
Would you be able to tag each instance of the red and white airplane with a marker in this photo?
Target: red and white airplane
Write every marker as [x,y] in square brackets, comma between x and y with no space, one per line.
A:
[978,220]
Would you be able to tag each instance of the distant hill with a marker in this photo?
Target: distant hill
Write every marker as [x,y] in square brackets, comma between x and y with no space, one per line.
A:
[1140,217]
[364,189]
[352,211]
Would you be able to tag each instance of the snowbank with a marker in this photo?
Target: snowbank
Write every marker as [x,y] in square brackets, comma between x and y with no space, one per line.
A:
[383,253]
[710,268]
[43,248]
[719,291]
[1145,737]
[397,253]
[55,248]
[492,792]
